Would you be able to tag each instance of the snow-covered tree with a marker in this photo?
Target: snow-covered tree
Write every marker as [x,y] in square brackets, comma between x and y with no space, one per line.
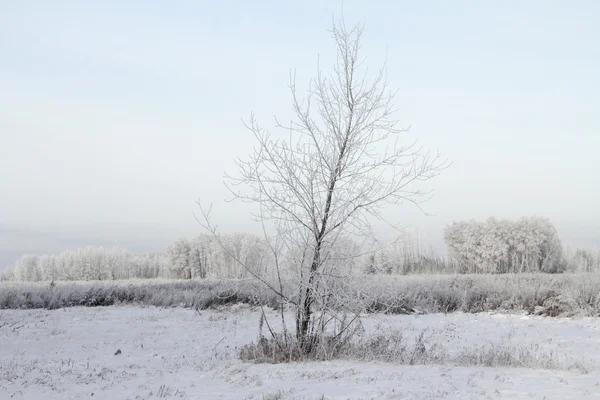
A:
[26,268]
[583,260]
[7,274]
[502,246]
[91,263]
[179,256]
[329,174]
[209,258]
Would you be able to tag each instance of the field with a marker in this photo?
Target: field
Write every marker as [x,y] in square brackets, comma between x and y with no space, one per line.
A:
[178,353]
[421,337]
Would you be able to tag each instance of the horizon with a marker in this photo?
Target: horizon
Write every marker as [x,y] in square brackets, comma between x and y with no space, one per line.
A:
[110,135]
[51,243]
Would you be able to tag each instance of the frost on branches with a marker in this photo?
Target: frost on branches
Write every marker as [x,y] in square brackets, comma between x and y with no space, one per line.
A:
[197,258]
[90,263]
[205,257]
[503,246]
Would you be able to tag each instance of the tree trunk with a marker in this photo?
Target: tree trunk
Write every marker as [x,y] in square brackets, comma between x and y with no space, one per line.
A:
[305,309]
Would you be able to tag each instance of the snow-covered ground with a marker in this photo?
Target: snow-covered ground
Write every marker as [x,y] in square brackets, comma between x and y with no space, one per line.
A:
[176,353]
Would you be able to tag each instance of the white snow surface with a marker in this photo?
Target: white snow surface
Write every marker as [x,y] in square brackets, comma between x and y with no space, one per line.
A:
[177,353]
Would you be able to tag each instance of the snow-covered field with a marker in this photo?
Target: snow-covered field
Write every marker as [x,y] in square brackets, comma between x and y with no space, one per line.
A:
[176,353]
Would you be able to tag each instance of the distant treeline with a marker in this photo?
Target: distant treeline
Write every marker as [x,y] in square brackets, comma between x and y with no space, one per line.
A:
[494,246]
[90,263]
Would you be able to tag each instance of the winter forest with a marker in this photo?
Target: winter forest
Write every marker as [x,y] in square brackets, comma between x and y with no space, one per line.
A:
[491,247]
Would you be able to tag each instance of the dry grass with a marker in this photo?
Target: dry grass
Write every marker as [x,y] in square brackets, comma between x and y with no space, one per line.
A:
[160,293]
[548,294]
[393,347]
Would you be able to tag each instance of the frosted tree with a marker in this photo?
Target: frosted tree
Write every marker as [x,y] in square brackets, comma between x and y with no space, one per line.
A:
[43,263]
[327,176]
[541,247]
[7,274]
[218,258]
[69,264]
[116,264]
[179,256]
[27,269]
[195,262]
[526,245]
[254,253]
[90,263]
[583,260]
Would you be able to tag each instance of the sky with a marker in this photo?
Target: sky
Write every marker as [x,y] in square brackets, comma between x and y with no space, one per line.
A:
[116,116]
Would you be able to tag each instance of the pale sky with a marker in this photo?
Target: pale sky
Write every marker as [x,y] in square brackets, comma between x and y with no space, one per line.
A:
[115,116]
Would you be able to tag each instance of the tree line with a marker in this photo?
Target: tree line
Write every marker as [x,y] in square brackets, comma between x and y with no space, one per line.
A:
[492,246]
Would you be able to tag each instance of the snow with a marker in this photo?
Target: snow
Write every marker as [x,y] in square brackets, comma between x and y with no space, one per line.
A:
[179,354]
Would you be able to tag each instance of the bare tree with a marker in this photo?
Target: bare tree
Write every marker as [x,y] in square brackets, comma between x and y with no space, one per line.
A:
[339,163]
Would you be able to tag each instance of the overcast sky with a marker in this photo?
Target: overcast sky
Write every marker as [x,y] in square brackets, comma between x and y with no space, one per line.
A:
[115,116]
